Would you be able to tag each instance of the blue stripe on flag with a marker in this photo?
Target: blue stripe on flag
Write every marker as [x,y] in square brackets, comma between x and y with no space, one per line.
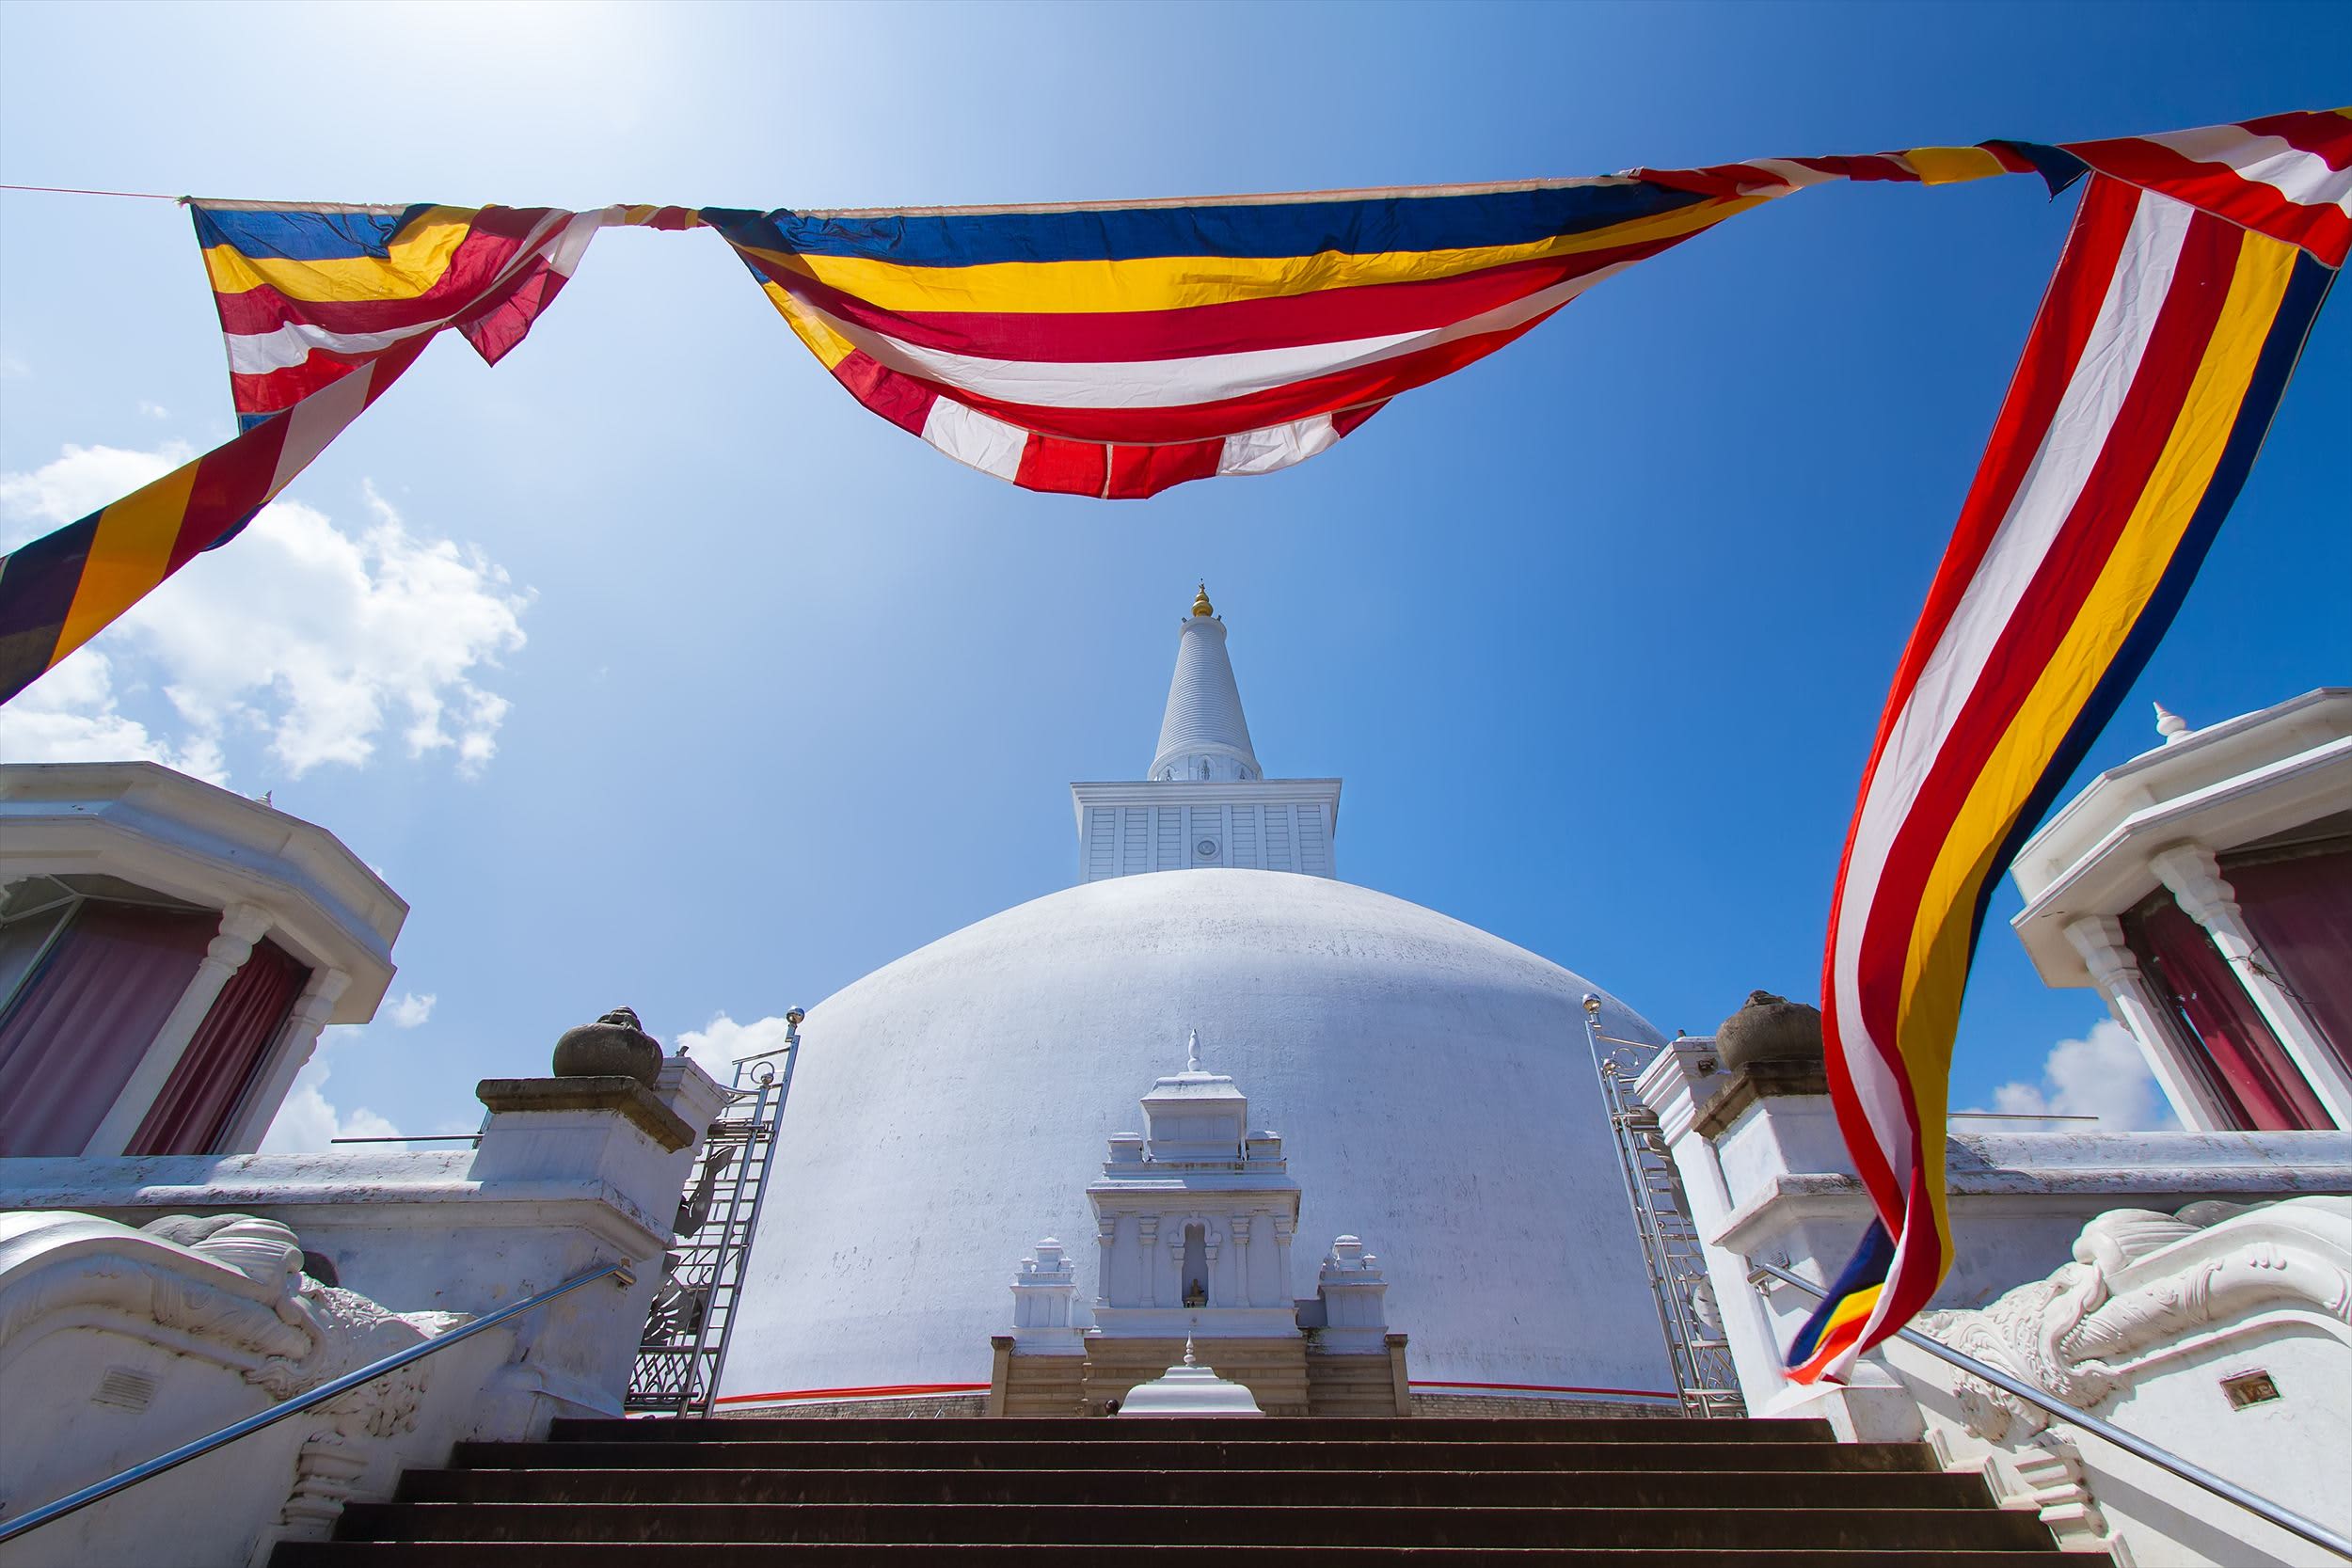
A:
[1261,230]
[301,236]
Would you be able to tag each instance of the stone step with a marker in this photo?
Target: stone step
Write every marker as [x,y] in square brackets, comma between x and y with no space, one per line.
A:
[400,1554]
[1293,1428]
[818,1451]
[1651,1488]
[1119,1524]
[1149,1555]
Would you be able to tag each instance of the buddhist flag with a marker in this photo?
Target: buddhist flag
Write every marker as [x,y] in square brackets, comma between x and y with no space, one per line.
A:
[2195,264]
[1117,350]
[322,308]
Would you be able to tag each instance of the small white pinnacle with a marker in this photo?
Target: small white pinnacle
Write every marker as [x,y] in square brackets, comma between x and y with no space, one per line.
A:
[2169,724]
[1192,1051]
[1188,1350]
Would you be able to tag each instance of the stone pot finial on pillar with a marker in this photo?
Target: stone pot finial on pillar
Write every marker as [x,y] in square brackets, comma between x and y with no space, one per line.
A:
[1768,1028]
[615,1046]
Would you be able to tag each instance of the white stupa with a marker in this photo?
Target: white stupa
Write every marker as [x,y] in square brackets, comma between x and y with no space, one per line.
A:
[1432,1082]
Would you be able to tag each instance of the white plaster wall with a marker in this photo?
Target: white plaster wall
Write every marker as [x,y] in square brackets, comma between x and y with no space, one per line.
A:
[1432,1084]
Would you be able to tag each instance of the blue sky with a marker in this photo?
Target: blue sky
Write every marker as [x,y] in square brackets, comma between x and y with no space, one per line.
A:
[650,669]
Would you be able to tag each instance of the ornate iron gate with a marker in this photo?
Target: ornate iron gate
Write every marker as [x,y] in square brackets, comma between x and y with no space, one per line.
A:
[1705,1378]
[685,1344]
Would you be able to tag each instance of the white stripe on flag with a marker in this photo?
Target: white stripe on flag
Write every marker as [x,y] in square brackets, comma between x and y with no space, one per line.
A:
[984,441]
[318,420]
[1262,451]
[2303,178]
[260,352]
[1179,383]
[2062,462]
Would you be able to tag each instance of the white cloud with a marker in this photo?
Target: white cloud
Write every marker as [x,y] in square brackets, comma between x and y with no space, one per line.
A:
[308,1121]
[12,367]
[408,1010]
[718,1045]
[72,714]
[154,411]
[338,637]
[2101,1075]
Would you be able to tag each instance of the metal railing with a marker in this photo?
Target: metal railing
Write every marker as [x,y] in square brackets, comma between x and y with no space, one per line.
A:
[73,1502]
[2164,1458]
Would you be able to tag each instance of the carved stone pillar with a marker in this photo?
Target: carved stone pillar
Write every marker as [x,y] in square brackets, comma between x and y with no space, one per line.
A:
[288,1055]
[2176,1064]
[241,927]
[1282,1230]
[2195,878]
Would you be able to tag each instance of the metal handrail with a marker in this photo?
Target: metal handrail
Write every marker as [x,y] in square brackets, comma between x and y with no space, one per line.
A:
[2164,1458]
[74,1502]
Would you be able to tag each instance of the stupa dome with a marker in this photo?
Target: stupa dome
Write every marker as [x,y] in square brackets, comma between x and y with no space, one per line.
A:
[1432,1084]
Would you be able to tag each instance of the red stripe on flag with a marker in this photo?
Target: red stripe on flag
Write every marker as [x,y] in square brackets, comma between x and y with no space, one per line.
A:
[2328,136]
[1324,315]
[1140,471]
[900,399]
[231,482]
[282,390]
[2322,228]
[1199,422]
[1062,468]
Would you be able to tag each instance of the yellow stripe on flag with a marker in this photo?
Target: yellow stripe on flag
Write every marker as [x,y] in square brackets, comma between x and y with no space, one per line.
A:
[1175,282]
[1949,166]
[128,557]
[413,264]
[829,346]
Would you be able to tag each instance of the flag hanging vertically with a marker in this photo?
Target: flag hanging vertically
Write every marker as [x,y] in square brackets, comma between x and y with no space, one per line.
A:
[322,309]
[2148,382]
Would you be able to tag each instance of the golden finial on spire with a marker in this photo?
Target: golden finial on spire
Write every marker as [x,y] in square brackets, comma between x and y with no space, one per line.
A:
[1202,608]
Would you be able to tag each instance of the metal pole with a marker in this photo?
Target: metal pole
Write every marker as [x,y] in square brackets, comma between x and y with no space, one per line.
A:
[75,1501]
[2164,1458]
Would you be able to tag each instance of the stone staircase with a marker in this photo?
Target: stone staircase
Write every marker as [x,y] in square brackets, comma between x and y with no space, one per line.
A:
[1302,1493]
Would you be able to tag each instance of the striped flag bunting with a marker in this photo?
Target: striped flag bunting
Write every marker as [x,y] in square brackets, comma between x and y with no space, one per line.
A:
[2195,267]
[1115,350]
[323,308]
[308,295]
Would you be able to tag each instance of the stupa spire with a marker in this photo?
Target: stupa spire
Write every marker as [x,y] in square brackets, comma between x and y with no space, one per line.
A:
[1202,733]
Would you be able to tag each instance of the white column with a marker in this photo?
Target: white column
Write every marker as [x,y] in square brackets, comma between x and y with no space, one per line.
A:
[2195,878]
[241,927]
[1147,1234]
[1671,1087]
[1105,1232]
[1241,1261]
[1283,1227]
[2137,1007]
[295,1043]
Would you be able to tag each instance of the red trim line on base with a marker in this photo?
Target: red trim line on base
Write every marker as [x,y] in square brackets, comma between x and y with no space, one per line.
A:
[880,1391]
[1553,1388]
